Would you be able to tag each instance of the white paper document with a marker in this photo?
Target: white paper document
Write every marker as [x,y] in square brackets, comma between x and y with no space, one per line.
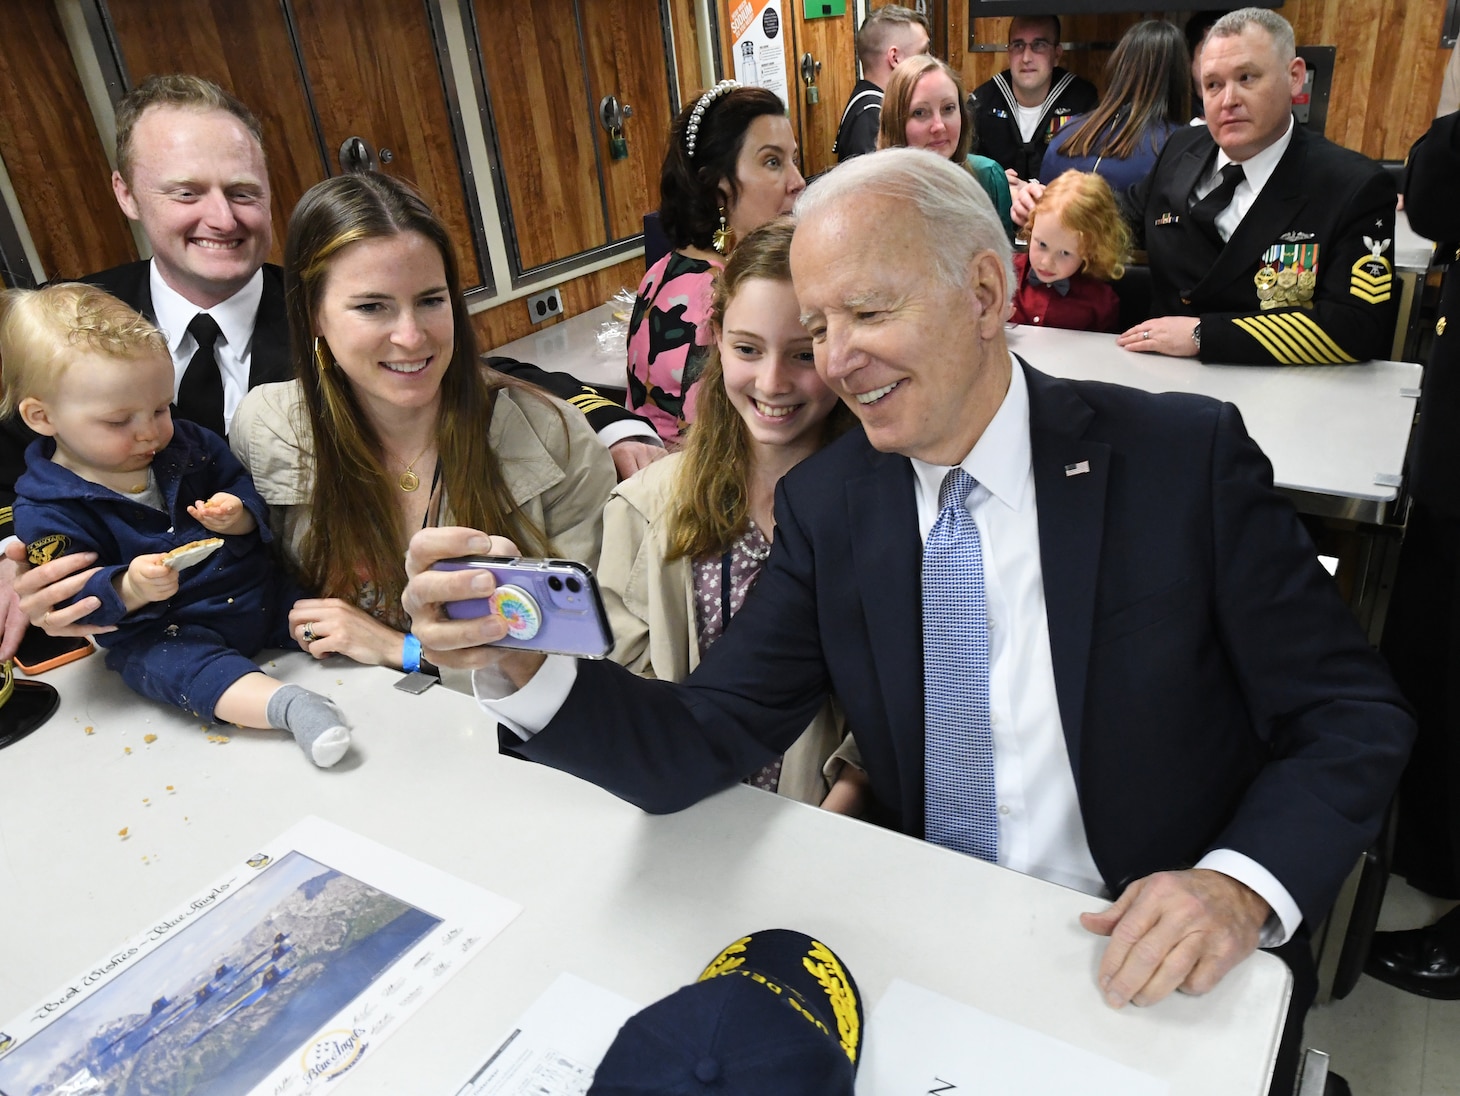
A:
[281,977]
[556,1045]
[919,1041]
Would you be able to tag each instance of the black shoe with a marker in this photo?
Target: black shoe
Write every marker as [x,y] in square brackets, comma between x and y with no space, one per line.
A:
[1424,961]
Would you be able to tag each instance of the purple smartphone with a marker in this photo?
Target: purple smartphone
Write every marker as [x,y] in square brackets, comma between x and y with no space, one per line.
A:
[551,606]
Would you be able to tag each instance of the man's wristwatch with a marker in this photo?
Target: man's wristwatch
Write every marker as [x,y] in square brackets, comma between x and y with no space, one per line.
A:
[1196,336]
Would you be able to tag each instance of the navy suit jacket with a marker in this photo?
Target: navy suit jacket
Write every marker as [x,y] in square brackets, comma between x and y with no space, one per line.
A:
[269,358]
[1215,692]
[1323,201]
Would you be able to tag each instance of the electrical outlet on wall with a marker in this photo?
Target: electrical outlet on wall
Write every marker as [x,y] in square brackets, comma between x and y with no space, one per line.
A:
[545,305]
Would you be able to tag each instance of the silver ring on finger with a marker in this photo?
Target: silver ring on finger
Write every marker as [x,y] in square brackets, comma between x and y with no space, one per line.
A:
[1145,334]
[307,633]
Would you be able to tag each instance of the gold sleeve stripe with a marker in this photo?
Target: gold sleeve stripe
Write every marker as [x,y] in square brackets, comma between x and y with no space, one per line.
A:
[1293,338]
[7,515]
[1302,332]
[1330,350]
[587,402]
[1272,340]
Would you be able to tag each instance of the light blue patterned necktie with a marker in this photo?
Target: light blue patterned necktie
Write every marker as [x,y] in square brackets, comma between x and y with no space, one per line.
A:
[960,810]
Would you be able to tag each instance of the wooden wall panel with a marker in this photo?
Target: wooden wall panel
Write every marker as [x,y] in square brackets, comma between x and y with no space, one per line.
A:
[625,42]
[393,98]
[508,322]
[52,151]
[1388,69]
[831,40]
[534,69]
[242,45]
[685,25]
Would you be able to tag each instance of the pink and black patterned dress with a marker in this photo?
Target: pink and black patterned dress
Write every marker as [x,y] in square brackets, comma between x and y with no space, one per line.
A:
[669,341]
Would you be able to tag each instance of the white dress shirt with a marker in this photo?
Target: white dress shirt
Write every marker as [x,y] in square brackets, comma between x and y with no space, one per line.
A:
[1041,832]
[233,350]
[1256,171]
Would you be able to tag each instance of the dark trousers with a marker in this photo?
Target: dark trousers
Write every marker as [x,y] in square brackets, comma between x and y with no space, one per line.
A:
[1422,643]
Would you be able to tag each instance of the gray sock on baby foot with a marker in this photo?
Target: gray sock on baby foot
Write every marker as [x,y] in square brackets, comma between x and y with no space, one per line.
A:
[315,722]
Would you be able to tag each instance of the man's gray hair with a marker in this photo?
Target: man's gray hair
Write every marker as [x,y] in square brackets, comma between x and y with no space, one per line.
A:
[1278,29]
[958,219]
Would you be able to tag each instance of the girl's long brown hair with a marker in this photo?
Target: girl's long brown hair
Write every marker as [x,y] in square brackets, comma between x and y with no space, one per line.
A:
[354,533]
[1148,86]
[710,505]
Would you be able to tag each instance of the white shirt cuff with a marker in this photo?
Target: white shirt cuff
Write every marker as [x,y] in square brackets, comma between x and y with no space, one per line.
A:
[624,429]
[1285,918]
[527,710]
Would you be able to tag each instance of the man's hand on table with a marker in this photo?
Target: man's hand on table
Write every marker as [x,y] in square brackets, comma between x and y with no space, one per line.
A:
[1178,930]
[631,455]
[460,644]
[1170,335]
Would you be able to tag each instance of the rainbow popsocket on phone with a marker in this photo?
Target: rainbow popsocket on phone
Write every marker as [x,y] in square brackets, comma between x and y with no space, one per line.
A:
[519,610]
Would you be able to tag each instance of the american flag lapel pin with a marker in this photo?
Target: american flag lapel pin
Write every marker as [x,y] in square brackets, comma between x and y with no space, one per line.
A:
[1077,469]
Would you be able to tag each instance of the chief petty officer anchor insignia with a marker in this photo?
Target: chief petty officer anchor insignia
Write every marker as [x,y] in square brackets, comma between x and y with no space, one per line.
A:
[1288,275]
[1371,276]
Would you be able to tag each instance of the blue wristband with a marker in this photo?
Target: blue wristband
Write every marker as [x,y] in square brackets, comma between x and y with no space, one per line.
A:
[410,656]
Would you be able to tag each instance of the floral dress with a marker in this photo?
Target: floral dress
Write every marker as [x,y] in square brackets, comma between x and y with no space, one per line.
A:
[669,341]
[741,566]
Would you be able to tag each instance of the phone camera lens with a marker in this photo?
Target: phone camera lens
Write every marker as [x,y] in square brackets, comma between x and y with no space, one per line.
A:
[574,586]
[555,583]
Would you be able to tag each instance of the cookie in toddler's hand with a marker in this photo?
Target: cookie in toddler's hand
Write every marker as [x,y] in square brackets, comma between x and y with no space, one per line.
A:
[193,552]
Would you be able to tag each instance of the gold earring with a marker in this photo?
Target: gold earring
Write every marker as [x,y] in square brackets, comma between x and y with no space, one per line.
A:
[720,241]
[319,358]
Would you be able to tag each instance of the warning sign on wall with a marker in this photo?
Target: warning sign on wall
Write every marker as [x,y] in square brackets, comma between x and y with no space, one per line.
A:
[760,45]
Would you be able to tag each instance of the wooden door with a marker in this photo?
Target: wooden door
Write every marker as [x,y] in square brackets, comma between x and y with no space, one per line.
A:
[626,59]
[373,72]
[243,46]
[51,150]
[534,69]
[831,40]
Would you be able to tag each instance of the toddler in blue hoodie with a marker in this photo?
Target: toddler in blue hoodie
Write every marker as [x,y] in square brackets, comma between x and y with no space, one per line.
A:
[113,474]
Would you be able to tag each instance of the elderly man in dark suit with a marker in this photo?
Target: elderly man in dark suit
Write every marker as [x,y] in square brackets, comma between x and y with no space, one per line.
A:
[1073,626]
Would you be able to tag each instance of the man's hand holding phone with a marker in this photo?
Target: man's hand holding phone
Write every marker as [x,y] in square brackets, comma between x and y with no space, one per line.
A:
[467,643]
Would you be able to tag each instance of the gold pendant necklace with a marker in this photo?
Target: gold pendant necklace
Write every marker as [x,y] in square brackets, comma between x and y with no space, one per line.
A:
[408,480]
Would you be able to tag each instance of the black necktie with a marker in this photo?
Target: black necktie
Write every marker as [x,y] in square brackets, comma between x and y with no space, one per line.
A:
[1204,212]
[200,396]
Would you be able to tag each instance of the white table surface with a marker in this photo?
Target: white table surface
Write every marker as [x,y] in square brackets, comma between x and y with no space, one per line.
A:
[1336,435]
[1411,250]
[572,346]
[632,902]
[1330,430]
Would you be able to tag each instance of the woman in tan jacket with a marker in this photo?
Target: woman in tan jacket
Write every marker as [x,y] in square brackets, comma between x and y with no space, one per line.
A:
[395,424]
[684,539]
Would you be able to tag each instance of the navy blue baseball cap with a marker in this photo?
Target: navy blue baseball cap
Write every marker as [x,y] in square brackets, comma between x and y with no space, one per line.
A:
[774,1014]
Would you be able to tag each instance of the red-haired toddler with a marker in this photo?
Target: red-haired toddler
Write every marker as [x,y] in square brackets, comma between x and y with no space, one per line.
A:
[1078,244]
